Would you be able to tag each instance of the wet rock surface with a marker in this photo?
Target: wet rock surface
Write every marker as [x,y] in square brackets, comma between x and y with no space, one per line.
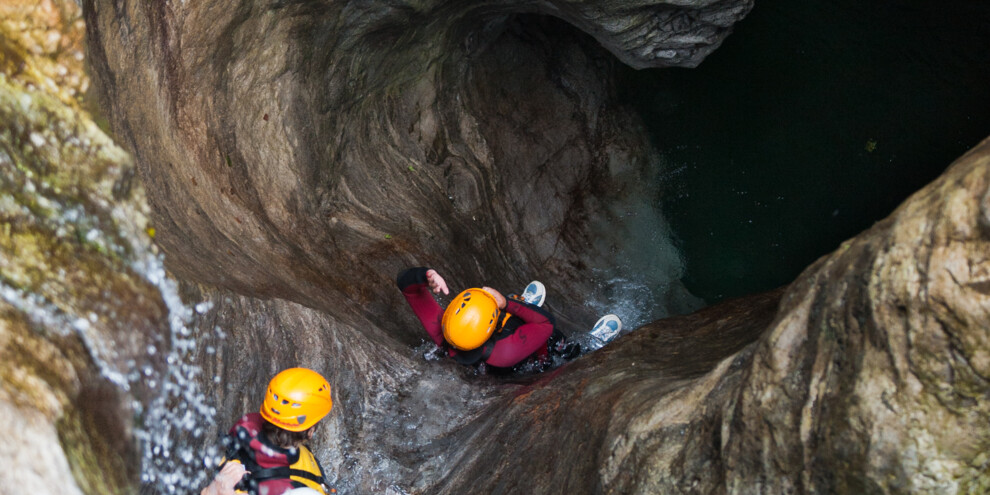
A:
[78,306]
[289,149]
[874,376]
[296,155]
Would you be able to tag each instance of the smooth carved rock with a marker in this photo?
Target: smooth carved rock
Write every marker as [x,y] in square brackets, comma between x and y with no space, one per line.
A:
[655,34]
[277,154]
[289,148]
[867,375]
[878,363]
[870,376]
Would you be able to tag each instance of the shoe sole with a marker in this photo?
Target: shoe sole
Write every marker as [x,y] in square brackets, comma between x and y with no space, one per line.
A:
[601,322]
[543,292]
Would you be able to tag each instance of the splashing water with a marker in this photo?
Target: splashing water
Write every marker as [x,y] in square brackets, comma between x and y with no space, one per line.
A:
[643,281]
[181,409]
[59,180]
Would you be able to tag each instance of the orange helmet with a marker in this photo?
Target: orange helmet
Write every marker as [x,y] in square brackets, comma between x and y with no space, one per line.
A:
[470,319]
[297,399]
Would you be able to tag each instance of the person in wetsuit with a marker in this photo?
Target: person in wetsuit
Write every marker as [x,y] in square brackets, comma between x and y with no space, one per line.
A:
[481,325]
[267,451]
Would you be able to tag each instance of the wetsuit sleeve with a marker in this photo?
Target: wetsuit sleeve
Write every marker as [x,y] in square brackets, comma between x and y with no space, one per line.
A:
[412,283]
[529,338]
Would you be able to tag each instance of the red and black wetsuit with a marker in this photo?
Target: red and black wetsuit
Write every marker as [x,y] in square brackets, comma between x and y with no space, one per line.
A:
[524,334]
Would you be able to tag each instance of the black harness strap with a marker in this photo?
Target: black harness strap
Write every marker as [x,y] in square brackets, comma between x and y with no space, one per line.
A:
[486,350]
[284,473]
[501,331]
[264,474]
[299,473]
[239,448]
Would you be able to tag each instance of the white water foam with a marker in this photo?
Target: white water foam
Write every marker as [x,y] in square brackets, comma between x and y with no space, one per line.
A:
[642,281]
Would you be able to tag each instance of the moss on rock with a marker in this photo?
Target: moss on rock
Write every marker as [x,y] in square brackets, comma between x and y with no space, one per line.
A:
[77,312]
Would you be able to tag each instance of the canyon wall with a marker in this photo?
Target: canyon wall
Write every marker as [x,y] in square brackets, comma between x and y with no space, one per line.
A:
[289,158]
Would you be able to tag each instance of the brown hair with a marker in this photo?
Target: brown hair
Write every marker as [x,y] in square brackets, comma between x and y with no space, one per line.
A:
[284,438]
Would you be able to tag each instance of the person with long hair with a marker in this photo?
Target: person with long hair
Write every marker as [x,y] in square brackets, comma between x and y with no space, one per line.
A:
[267,451]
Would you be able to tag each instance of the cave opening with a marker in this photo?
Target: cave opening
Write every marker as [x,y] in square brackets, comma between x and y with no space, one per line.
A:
[810,123]
[806,126]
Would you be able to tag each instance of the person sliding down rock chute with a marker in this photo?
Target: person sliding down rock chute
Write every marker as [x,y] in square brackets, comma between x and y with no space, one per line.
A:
[482,326]
[266,451]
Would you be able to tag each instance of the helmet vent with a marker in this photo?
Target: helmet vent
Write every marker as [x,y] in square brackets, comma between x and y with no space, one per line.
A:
[276,411]
[296,405]
[301,419]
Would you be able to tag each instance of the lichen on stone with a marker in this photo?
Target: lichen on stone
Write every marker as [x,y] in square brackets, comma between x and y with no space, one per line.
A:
[77,312]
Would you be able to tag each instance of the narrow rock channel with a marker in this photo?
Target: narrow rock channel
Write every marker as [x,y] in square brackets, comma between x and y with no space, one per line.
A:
[274,165]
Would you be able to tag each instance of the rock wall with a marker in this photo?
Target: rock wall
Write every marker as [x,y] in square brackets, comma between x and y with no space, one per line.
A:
[77,306]
[308,151]
[290,148]
[296,155]
[874,378]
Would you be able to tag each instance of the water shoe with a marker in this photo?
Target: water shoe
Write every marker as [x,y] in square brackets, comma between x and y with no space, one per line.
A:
[606,328]
[535,293]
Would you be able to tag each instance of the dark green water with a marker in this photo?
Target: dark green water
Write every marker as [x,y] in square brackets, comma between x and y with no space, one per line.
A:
[810,123]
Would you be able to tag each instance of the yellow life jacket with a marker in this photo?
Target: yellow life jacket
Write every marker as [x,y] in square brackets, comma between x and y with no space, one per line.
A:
[271,469]
[307,464]
[301,472]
